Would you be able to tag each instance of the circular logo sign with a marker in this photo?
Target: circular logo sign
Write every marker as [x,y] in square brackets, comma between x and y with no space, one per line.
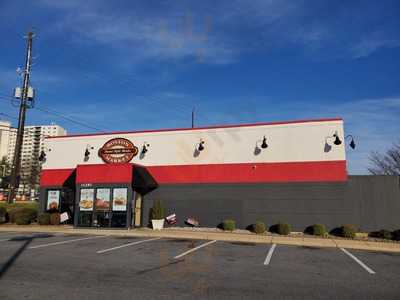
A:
[118,151]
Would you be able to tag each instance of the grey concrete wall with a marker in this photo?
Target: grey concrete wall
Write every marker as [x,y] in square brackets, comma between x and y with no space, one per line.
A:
[369,202]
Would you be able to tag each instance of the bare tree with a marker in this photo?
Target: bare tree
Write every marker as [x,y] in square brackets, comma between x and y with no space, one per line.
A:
[387,163]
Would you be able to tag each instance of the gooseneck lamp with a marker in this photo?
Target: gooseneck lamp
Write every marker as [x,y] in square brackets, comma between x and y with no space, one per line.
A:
[201,146]
[264,143]
[337,140]
[145,148]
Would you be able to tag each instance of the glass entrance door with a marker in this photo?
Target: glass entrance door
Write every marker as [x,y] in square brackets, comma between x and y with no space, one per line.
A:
[103,207]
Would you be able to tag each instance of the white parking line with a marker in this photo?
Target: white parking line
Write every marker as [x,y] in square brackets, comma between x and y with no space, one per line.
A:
[67,241]
[5,240]
[194,249]
[127,245]
[269,255]
[368,269]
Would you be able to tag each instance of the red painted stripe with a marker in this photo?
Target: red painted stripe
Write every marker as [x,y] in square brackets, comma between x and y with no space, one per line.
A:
[55,177]
[104,173]
[321,171]
[199,128]
[251,172]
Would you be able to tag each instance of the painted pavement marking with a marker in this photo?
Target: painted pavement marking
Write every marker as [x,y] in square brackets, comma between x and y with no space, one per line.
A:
[368,269]
[269,255]
[194,249]
[127,245]
[66,242]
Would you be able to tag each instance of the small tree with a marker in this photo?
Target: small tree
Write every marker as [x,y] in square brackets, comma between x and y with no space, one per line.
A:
[386,164]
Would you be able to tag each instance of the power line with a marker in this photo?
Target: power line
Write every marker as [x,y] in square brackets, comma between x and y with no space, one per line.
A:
[60,115]
[67,118]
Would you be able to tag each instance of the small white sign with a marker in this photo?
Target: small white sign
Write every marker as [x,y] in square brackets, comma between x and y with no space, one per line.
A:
[64,217]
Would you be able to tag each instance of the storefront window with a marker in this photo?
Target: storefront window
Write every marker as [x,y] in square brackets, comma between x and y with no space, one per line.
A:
[86,200]
[120,199]
[102,199]
[53,200]
[86,207]
[103,207]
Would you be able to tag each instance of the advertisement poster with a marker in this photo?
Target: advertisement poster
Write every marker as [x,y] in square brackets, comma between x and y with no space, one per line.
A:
[53,200]
[86,200]
[103,199]
[120,199]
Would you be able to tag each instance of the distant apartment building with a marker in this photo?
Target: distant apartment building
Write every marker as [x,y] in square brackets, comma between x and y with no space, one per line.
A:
[33,144]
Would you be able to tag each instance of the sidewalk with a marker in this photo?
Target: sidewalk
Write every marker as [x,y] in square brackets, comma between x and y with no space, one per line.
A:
[220,236]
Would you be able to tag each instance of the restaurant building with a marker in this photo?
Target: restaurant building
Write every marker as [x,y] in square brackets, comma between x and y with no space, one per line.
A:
[283,171]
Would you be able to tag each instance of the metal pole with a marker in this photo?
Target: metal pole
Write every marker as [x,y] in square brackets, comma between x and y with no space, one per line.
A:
[193,117]
[16,166]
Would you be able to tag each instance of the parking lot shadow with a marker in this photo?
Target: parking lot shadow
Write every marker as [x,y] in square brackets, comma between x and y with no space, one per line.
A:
[160,267]
[27,240]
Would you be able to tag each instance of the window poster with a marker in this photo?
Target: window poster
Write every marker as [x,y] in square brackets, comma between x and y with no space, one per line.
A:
[103,199]
[120,199]
[86,200]
[53,200]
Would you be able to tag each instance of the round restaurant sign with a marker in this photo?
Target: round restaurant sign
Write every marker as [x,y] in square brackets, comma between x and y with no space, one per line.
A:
[118,150]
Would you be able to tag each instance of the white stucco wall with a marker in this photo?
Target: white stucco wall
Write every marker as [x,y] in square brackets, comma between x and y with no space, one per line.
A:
[291,142]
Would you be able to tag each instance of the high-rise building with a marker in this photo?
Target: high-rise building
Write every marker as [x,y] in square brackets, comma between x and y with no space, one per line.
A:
[33,144]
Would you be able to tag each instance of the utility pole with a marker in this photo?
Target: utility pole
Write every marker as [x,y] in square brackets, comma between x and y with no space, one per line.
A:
[16,166]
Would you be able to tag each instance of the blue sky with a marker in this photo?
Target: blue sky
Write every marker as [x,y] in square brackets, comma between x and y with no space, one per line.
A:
[127,65]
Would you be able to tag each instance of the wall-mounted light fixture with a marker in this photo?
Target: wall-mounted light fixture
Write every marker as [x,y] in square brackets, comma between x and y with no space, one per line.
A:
[145,148]
[201,145]
[87,152]
[337,140]
[264,144]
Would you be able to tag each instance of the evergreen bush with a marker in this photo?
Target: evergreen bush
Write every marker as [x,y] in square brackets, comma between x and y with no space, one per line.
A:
[319,229]
[259,227]
[396,235]
[3,214]
[229,225]
[348,231]
[44,219]
[23,219]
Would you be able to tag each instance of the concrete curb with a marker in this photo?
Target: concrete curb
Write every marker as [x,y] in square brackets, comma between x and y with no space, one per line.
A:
[220,236]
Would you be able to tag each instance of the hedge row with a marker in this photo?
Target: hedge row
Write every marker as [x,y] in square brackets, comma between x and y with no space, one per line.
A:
[347,231]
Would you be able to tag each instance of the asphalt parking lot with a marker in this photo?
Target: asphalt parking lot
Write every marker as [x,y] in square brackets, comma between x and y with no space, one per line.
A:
[60,266]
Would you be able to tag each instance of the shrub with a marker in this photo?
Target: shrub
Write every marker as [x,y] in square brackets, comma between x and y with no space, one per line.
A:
[44,219]
[55,219]
[15,212]
[281,228]
[23,219]
[348,231]
[3,214]
[396,235]
[229,225]
[385,234]
[259,227]
[157,211]
[319,229]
